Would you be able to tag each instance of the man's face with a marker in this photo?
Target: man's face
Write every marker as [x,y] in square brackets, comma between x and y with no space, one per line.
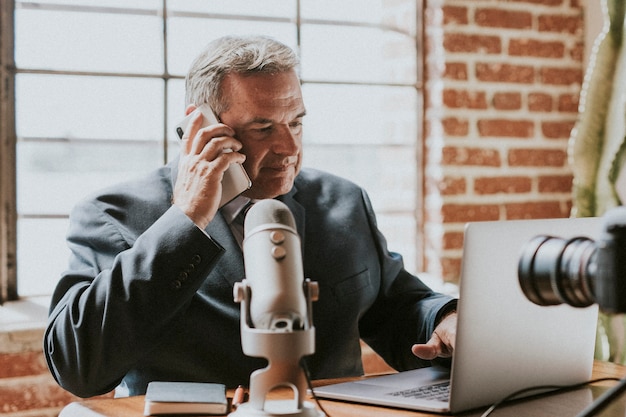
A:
[266,112]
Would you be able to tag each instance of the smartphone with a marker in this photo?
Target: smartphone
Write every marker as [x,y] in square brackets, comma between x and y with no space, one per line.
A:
[235,180]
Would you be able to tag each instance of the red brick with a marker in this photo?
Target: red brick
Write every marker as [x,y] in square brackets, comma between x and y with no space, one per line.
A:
[568,103]
[451,269]
[503,18]
[507,101]
[506,73]
[504,185]
[22,364]
[461,42]
[453,186]
[453,155]
[561,23]
[506,128]
[536,48]
[463,213]
[561,76]
[557,130]
[453,126]
[577,52]
[452,240]
[464,99]
[542,2]
[541,102]
[32,393]
[537,210]
[454,14]
[537,157]
[555,183]
[456,71]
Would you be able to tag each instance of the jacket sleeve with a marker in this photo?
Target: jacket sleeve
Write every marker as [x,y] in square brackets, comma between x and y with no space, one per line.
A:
[406,310]
[120,297]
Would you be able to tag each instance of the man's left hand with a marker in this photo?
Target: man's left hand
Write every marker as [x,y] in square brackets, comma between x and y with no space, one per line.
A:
[441,343]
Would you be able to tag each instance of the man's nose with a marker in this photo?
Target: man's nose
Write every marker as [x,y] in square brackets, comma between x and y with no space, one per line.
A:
[286,142]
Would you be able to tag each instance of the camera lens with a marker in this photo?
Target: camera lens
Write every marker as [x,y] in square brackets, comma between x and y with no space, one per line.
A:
[553,271]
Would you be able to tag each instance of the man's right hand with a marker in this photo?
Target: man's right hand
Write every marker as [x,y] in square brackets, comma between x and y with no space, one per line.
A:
[198,187]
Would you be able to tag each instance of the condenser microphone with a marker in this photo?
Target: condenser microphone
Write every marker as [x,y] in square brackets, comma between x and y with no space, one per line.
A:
[273,263]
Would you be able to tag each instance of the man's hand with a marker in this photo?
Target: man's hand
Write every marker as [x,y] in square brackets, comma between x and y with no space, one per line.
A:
[441,343]
[202,164]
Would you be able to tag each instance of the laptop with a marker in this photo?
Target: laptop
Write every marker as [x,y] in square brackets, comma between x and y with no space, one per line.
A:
[504,342]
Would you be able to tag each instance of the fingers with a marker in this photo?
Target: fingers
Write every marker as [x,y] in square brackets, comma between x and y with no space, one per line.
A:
[210,141]
[432,349]
[206,153]
[192,128]
[442,341]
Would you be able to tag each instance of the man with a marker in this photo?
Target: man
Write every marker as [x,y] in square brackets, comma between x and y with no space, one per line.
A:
[148,293]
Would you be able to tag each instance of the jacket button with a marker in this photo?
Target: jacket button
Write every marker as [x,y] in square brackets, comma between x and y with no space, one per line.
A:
[182,277]
[176,284]
[196,259]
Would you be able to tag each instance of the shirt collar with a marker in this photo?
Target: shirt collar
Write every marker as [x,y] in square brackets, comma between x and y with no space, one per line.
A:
[232,209]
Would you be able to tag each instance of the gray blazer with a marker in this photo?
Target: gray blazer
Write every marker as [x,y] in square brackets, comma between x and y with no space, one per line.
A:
[149,296]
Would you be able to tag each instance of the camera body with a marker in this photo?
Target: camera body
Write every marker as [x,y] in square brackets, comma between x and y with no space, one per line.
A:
[578,271]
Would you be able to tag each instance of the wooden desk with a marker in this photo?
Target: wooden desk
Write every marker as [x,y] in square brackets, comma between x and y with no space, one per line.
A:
[562,405]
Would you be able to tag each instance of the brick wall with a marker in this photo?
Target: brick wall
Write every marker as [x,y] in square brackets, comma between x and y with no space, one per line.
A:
[27,388]
[502,86]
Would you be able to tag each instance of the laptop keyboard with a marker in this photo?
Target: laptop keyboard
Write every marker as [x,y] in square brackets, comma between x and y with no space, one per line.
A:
[435,392]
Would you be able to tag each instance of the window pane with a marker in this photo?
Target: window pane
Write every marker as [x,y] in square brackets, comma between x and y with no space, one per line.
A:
[360,114]
[52,177]
[80,41]
[267,8]
[89,107]
[175,105]
[400,231]
[175,113]
[41,256]
[363,55]
[400,14]
[188,36]
[135,4]
[389,174]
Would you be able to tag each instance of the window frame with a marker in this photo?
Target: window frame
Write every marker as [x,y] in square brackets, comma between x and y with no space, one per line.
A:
[8,194]
[8,154]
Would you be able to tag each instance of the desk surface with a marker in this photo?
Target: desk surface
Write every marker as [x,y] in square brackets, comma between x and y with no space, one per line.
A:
[563,405]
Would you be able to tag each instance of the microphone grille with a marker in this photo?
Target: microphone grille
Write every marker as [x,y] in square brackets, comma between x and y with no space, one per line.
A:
[268,211]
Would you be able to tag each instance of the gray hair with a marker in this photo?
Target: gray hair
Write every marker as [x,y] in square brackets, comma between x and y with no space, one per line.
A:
[230,54]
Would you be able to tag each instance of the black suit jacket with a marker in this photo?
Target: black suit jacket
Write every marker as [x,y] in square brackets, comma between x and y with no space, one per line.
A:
[149,296]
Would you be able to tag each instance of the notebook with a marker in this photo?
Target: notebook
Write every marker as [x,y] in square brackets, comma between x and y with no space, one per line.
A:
[504,342]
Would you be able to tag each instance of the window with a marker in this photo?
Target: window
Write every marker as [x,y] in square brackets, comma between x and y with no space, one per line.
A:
[100,83]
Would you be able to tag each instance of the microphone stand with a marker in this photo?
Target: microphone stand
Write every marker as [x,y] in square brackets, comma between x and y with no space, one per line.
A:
[284,351]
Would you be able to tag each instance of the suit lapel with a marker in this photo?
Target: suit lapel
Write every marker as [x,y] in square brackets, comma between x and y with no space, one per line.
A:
[230,267]
[297,210]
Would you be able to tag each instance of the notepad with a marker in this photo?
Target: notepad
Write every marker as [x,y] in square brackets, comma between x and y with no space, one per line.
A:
[164,397]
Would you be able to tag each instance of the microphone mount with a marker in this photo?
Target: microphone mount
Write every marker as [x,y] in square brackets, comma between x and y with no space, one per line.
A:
[276,312]
[284,351]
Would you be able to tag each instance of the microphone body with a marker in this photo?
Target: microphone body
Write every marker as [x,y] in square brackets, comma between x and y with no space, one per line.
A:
[273,265]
